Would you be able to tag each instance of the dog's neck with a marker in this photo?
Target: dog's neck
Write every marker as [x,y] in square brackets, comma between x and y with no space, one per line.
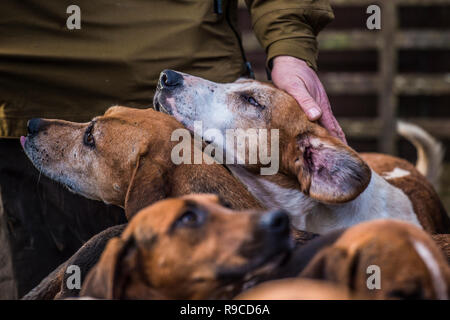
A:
[379,200]
[215,179]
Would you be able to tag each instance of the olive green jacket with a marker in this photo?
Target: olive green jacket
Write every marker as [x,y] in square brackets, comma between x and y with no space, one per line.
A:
[47,70]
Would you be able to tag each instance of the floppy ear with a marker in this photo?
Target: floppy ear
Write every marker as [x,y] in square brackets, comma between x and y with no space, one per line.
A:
[335,265]
[149,183]
[327,170]
[107,278]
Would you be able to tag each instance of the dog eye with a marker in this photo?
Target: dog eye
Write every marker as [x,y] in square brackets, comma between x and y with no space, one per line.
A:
[252,101]
[189,219]
[88,138]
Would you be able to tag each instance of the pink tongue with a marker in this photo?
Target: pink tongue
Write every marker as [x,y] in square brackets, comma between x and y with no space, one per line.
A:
[22,141]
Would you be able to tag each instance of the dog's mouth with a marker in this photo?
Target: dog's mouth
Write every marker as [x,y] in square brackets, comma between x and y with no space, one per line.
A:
[259,268]
[258,274]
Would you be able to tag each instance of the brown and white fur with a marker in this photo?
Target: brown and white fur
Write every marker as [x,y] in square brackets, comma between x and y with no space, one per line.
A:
[124,158]
[121,158]
[409,263]
[321,181]
[191,247]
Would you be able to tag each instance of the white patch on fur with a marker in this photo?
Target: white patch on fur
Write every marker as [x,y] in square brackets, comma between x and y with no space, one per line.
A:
[380,200]
[272,196]
[396,173]
[433,267]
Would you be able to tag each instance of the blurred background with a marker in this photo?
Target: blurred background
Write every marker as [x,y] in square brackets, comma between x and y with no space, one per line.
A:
[374,77]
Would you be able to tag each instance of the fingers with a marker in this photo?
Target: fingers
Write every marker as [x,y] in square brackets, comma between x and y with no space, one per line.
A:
[322,112]
[307,103]
[338,132]
[300,81]
[329,122]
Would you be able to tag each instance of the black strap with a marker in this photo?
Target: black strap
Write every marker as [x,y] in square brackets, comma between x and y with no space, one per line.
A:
[218,7]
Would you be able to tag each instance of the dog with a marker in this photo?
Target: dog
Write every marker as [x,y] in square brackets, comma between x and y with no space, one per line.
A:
[339,265]
[194,248]
[296,289]
[189,248]
[54,285]
[407,261]
[321,181]
[122,158]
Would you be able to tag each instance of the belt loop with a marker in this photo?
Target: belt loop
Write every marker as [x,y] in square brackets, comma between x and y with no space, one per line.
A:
[218,7]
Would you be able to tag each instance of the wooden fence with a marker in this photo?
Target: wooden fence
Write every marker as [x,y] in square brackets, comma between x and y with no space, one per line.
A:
[386,83]
[376,95]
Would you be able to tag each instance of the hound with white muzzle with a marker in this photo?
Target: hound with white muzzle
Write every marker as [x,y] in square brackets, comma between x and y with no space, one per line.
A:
[324,183]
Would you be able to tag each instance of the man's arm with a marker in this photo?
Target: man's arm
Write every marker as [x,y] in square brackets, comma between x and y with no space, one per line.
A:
[287,30]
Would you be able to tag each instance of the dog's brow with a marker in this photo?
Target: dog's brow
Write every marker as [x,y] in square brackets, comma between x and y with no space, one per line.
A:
[191,204]
[90,127]
[188,205]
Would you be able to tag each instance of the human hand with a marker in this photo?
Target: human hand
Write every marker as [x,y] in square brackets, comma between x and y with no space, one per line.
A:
[295,77]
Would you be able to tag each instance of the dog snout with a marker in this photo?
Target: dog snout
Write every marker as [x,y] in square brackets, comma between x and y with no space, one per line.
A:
[170,79]
[34,125]
[275,222]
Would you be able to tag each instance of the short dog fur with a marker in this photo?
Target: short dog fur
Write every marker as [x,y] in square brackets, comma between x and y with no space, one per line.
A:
[194,248]
[322,182]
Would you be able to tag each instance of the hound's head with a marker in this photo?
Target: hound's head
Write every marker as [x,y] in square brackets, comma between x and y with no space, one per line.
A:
[113,158]
[190,248]
[326,169]
[384,259]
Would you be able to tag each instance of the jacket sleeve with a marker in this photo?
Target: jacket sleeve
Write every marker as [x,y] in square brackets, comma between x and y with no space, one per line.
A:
[290,27]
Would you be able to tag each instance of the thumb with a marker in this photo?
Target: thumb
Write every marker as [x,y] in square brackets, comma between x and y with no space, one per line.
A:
[307,103]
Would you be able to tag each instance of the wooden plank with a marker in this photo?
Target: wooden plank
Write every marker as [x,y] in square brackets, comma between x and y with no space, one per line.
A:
[423,2]
[400,2]
[423,39]
[348,40]
[369,128]
[360,128]
[241,3]
[407,84]
[356,40]
[417,84]
[354,2]
[349,83]
[387,100]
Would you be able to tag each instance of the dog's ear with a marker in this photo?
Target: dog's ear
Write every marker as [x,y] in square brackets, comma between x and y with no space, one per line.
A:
[107,278]
[148,184]
[326,169]
[335,265]
[115,109]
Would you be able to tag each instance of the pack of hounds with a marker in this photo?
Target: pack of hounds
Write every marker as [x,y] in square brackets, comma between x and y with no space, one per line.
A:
[330,224]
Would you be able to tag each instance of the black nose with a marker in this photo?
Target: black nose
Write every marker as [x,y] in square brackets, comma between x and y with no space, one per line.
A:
[276,221]
[170,79]
[34,125]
